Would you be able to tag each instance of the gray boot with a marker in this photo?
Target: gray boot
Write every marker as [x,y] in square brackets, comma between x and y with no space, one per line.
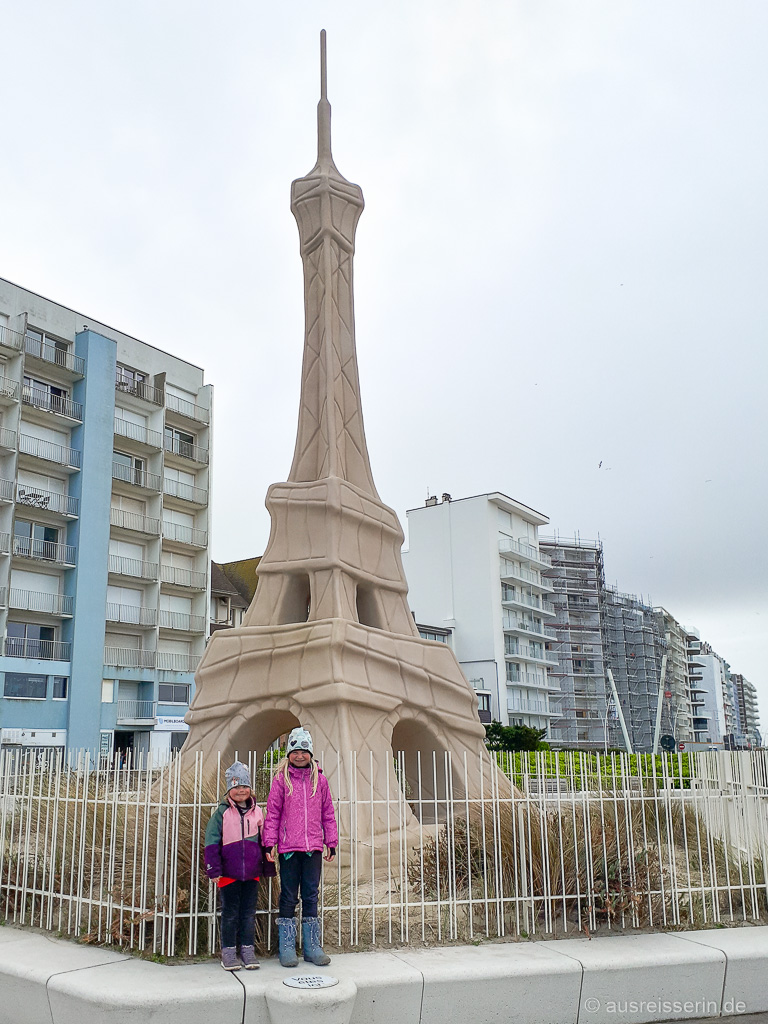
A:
[286,934]
[310,940]
[229,959]
[248,956]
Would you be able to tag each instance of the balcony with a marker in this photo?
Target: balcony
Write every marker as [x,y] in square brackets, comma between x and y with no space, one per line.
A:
[134,522]
[51,501]
[143,436]
[177,662]
[513,571]
[530,707]
[523,678]
[520,549]
[129,386]
[185,492]
[6,490]
[37,650]
[8,439]
[178,577]
[11,340]
[48,451]
[135,567]
[527,601]
[61,605]
[44,551]
[185,535]
[135,477]
[511,624]
[47,352]
[135,712]
[39,398]
[128,657]
[5,543]
[182,621]
[9,390]
[186,450]
[133,615]
[188,410]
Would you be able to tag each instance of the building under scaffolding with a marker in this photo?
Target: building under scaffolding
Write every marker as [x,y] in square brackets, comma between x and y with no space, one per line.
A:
[676,711]
[586,718]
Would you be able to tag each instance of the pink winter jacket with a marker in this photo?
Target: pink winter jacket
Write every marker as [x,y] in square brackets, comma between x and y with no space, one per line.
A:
[298,821]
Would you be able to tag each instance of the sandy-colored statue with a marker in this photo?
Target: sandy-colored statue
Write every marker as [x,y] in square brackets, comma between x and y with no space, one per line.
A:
[329,640]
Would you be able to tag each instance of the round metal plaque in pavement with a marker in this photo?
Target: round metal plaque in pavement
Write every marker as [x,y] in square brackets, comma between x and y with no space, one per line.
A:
[310,981]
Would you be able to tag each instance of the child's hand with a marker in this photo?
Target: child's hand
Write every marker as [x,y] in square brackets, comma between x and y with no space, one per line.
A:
[271,855]
[331,853]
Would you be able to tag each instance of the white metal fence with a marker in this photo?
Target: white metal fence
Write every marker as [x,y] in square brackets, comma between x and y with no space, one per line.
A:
[546,845]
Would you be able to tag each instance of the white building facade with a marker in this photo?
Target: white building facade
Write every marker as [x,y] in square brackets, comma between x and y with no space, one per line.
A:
[474,567]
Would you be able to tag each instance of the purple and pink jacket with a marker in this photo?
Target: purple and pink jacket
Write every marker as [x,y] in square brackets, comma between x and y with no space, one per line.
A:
[298,821]
[233,846]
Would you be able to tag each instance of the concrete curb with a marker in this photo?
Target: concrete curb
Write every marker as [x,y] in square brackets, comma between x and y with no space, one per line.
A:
[624,978]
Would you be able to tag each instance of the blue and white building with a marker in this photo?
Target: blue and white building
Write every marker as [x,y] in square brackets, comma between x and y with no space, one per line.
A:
[104,532]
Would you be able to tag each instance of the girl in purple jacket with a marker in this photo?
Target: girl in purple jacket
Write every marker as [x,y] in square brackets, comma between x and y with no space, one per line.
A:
[300,822]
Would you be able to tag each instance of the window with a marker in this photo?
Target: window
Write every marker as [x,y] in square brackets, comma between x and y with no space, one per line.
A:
[43,395]
[173,693]
[428,634]
[60,687]
[35,540]
[19,684]
[127,379]
[30,640]
[128,467]
[180,441]
[484,702]
[177,741]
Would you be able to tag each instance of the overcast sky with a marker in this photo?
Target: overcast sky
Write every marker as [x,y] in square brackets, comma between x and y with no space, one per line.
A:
[562,260]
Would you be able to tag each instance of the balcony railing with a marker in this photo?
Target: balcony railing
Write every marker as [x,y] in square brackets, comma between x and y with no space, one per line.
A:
[9,388]
[49,353]
[188,409]
[38,650]
[136,432]
[134,521]
[51,501]
[135,711]
[187,450]
[129,657]
[531,707]
[182,620]
[177,662]
[527,551]
[49,451]
[511,570]
[6,490]
[35,601]
[11,339]
[185,535]
[129,386]
[7,438]
[5,543]
[44,550]
[39,398]
[182,577]
[137,477]
[177,489]
[122,566]
[132,614]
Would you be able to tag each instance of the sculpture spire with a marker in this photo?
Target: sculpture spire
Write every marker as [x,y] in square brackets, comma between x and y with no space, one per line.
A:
[330,441]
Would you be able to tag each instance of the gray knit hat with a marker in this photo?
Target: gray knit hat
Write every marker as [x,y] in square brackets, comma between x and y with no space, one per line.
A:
[237,775]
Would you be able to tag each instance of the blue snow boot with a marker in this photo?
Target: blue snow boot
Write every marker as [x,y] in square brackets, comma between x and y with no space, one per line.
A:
[286,934]
[310,940]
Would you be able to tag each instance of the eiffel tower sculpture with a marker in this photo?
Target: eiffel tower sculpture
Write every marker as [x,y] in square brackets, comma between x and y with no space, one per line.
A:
[329,640]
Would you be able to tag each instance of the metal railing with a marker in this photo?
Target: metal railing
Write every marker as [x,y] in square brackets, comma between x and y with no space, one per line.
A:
[135,710]
[188,409]
[137,477]
[177,489]
[182,620]
[37,650]
[9,388]
[133,521]
[132,614]
[49,353]
[129,386]
[5,543]
[135,432]
[177,662]
[7,438]
[44,550]
[185,534]
[519,547]
[122,566]
[529,707]
[51,501]
[39,398]
[129,657]
[11,339]
[49,451]
[187,450]
[36,601]
[183,577]
[511,570]
[447,849]
[6,490]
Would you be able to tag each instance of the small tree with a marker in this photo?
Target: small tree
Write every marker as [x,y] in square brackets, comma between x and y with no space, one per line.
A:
[514,737]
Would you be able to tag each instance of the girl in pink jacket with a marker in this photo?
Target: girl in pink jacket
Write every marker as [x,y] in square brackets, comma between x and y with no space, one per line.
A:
[300,822]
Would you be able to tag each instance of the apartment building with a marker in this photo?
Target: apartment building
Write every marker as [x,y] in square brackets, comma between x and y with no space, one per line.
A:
[747,733]
[714,717]
[104,527]
[676,717]
[474,568]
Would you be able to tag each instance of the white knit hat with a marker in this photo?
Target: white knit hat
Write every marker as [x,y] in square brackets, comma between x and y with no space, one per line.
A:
[299,741]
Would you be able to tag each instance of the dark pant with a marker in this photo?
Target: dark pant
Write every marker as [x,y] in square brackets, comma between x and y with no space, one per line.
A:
[300,870]
[238,913]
